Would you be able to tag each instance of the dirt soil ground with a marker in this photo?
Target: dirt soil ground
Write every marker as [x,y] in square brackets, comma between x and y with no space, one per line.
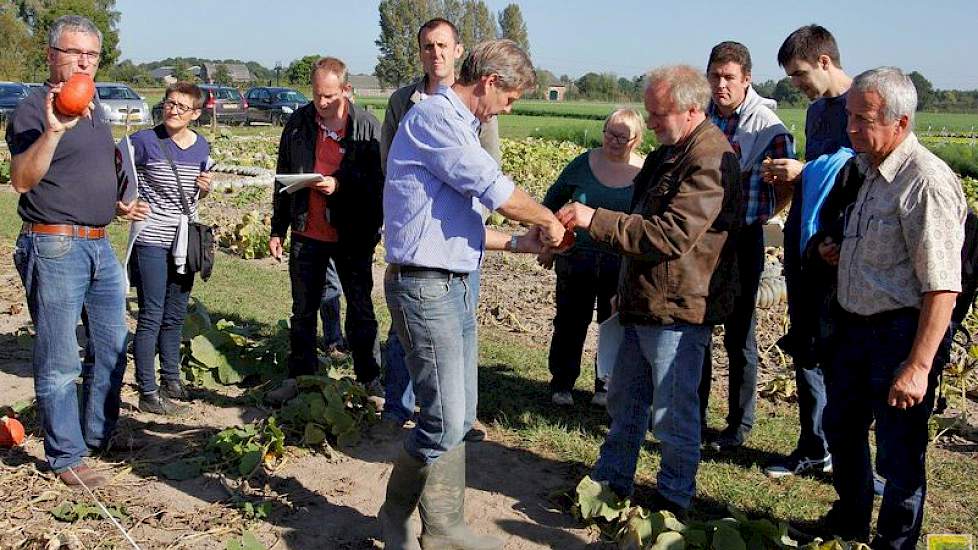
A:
[321,501]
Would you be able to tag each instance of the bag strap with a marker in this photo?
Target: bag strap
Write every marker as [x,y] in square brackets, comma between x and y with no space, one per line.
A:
[176,174]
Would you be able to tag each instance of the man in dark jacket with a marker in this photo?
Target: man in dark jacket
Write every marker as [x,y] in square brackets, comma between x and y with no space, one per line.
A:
[338,218]
[677,256]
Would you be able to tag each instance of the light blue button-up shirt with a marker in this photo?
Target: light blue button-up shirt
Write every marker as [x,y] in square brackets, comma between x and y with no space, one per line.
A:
[437,173]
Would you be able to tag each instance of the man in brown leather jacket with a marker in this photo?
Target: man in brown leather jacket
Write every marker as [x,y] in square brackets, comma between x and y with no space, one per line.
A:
[677,248]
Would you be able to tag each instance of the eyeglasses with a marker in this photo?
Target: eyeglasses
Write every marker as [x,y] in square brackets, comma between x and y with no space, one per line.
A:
[72,52]
[179,108]
[615,138]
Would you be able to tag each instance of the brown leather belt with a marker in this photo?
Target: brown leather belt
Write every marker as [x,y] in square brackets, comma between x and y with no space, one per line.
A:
[66,230]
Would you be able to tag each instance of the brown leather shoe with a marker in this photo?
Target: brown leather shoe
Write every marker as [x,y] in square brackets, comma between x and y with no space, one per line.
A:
[81,474]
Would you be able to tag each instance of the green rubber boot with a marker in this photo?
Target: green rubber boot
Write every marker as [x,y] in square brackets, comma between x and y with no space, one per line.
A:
[443,508]
[403,492]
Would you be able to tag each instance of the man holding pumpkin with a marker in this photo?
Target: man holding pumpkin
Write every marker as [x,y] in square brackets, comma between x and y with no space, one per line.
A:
[63,166]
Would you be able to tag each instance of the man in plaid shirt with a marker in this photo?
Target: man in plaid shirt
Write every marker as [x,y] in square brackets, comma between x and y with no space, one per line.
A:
[756,134]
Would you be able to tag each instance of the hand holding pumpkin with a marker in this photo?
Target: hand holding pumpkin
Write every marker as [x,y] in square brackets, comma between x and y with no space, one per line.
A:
[68,101]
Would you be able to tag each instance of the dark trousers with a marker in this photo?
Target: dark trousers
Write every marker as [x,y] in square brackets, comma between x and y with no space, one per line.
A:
[162,294]
[584,278]
[870,352]
[308,263]
[808,348]
[739,339]
[329,309]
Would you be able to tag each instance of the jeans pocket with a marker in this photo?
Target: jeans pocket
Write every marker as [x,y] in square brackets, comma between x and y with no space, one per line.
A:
[51,247]
[435,290]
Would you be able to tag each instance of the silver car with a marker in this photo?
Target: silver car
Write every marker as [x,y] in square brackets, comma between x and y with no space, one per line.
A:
[121,105]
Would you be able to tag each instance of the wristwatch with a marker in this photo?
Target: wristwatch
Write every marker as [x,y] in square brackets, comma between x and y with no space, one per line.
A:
[512,244]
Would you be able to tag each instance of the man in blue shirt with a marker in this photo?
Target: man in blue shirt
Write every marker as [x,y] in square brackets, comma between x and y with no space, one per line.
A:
[810,57]
[437,176]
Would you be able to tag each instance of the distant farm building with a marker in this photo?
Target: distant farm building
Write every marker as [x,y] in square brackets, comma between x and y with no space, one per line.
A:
[237,72]
[365,85]
[556,93]
[165,73]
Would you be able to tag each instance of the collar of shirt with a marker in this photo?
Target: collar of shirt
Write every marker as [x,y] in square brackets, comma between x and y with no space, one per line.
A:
[893,162]
[420,90]
[460,107]
[335,135]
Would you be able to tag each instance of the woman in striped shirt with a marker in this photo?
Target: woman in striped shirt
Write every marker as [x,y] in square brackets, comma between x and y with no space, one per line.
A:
[170,159]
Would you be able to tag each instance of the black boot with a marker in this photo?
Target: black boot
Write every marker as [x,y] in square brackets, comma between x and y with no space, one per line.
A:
[152,403]
[443,508]
[173,389]
[403,492]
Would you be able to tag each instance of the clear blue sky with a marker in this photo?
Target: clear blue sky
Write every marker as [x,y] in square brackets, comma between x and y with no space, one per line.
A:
[576,36]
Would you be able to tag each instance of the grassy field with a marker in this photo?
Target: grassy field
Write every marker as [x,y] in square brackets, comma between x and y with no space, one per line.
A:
[514,401]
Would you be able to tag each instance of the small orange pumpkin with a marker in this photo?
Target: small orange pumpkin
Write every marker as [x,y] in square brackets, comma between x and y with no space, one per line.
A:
[11,432]
[75,95]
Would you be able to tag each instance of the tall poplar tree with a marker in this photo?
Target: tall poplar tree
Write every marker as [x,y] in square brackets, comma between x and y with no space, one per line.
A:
[512,26]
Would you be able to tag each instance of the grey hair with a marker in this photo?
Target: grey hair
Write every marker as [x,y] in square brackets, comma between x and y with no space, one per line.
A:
[688,87]
[895,89]
[500,57]
[71,23]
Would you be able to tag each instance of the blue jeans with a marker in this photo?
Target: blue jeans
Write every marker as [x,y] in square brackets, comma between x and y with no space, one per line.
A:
[739,339]
[308,263]
[162,294]
[61,275]
[398,391]
[329,308]
[586,280]
[658,367]
[435,322]
[858,381]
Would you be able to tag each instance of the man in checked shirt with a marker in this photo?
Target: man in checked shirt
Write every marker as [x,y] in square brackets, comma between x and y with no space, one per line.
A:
[755,133]
[899,275]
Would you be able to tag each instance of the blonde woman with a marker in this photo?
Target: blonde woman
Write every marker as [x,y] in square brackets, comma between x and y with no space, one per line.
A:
[587,274]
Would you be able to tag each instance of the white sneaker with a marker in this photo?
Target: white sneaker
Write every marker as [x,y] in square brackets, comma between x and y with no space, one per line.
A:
[562,398]
[600,399]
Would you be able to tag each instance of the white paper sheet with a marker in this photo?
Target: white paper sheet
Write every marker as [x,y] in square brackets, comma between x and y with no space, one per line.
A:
[294,182]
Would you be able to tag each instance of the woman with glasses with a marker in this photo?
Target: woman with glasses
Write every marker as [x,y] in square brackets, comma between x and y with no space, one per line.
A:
[587,273]
[171,159]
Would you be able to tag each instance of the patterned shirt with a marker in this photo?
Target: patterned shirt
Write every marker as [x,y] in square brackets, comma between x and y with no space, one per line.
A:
[903,234]
[437,174]
[158,185]
[758,194]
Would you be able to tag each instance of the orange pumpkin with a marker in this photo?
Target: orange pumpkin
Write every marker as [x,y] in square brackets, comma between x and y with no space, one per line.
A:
[11,432]
[75,95]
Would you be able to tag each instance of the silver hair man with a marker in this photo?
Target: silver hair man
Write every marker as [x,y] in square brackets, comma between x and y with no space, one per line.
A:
[687,85]
[895,89]
[71,23]
[500,57]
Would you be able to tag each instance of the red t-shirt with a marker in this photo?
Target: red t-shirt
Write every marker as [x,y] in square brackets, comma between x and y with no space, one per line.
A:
[329,154]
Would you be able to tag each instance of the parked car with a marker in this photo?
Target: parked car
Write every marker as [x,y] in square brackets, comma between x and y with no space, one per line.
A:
[121,104]
[274,105]
[11,94]
[224,101]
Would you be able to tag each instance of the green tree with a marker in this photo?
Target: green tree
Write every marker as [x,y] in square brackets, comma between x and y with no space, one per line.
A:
[597,86]
[181,71]
[127,71]
[512,26]
[477,24]
[925,90]
[300,70]
[222,75]
[786,94]
[15,46]
[398,62]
